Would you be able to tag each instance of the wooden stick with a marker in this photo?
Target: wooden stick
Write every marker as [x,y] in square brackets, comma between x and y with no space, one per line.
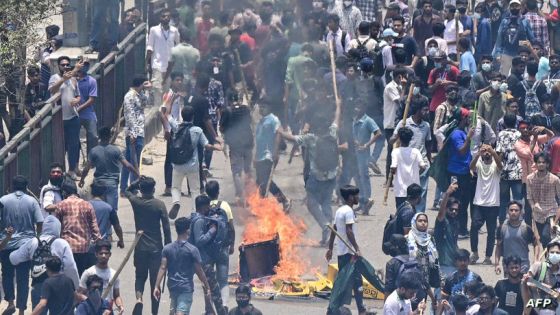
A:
[333,71]
[121,267]
[350,247]
[243,81]
[403,122]
[537,235]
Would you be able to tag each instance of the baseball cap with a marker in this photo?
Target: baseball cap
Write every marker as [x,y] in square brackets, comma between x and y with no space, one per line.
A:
[514,1]
[390,32]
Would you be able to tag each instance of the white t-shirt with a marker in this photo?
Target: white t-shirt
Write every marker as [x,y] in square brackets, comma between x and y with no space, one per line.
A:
[407,161]
[450,35]
[487,193]
[343,216]
[391,97]
[395,306]
[160,43]
[105,274]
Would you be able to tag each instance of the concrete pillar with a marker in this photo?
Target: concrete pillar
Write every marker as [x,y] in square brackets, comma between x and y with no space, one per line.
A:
[76,22]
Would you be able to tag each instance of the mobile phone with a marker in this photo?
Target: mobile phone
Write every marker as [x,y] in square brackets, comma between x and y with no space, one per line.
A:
[453,179]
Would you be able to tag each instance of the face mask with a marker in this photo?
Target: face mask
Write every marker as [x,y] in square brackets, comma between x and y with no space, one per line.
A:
[495,85]
[317,4]
[514,11]
[432,51]
[416,90]
[94,296]
[462,10]
[503,87]
[347,3]
[57,181]
[437,64]
[486,67]
[242,303]
[477,16]
[554,258]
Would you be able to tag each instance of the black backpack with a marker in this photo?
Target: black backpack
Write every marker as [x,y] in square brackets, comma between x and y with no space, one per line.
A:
[181,150]
[407,265]
[40,257]
[218,216]
[326,153]
[378,66]
[390,229]
[360,52]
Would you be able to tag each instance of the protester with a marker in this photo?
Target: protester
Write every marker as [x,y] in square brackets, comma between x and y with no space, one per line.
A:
[50,194]
[543,271]
[454,284]
[107,217]
[88,94]
[58,291]
[508,291]
[148,213]
[21,212]
[446,231]
[106,273]
[398,302]
[243,299]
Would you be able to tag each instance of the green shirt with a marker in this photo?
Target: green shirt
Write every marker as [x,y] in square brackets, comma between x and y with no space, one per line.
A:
[184,57]
[295,71]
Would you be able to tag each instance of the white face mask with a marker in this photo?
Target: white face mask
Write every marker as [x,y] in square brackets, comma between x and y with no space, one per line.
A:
[486,67]
[317,4]
[495,85]
[416,90]
[554,258]
[503,87]
[477,16]
[347,3]
[432,51]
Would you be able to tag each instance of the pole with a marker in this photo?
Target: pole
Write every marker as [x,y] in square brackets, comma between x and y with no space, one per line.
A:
[243,81]
[122,265]
[403,122]
[333,71]
[350,247]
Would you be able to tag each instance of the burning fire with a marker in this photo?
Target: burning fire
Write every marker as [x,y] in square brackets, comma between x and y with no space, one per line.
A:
[270,219]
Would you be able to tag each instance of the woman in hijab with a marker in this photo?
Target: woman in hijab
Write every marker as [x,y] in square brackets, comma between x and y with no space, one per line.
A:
[421,247]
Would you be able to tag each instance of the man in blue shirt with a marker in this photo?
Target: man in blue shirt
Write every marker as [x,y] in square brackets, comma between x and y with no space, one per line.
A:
[267,139]
[459,144]
[363,127]
[88,93]
[467,58]
[484,41]
[513,31]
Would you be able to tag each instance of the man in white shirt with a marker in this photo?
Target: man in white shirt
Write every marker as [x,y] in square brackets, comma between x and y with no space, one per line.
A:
[344,224]
[364,39]
[453,28]
[398,302]
[392,96]
[161,39]
[340,38]
[487,164]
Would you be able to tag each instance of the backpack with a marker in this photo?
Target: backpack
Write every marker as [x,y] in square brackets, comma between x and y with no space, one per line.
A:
[407,265]
[218,215]
[378,66]
[40,256]
[515,31]
[532,103]
[181,149]
[390,229]
[326,153]
[361,51]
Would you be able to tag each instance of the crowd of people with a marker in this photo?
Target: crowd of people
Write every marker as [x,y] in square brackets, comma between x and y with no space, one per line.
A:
[465,93]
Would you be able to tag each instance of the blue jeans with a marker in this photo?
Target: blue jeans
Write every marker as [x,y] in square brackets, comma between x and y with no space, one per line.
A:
[21,273]
[424,180]
[181,302]
[36,295]
[125,173]
[362,159]
[348,172]
[104,10]
[112,196]
[72,141]
[319,199]
[516,188]
[379,143]
[91,132]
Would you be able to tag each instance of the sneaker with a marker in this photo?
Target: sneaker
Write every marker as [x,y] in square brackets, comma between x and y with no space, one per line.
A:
[167,192]
[174,211]
[474,258]
[368,206]
[375,168]
[487,261]
[207,173]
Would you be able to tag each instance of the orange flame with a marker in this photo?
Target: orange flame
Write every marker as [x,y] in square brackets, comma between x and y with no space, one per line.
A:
[270,219]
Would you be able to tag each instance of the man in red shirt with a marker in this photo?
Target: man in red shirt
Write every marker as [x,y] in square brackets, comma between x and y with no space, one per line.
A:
[443,74]
[203,27]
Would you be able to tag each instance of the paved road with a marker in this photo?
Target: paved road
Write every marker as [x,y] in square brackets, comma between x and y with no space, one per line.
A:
[289,178]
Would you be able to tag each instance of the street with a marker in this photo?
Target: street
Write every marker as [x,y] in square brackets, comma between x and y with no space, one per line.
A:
[289,179]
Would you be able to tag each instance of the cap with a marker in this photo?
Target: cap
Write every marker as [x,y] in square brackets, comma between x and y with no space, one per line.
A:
[514,1]
[366,65]
[389,32]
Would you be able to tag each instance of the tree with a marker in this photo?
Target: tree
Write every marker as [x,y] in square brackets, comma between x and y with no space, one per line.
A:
[20,36]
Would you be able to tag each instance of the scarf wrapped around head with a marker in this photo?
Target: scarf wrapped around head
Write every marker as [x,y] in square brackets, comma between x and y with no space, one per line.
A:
[417,238]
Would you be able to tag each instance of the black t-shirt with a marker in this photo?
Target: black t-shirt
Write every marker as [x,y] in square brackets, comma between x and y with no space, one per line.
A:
[201,106]
[236,126]
[509,296]
[59,292]
[410,47]
[454,284]
[404,216]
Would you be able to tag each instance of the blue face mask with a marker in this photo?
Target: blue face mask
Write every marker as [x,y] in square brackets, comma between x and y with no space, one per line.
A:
[437,64]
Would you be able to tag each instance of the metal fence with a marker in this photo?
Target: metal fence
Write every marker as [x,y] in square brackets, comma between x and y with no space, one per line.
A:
[41,142]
